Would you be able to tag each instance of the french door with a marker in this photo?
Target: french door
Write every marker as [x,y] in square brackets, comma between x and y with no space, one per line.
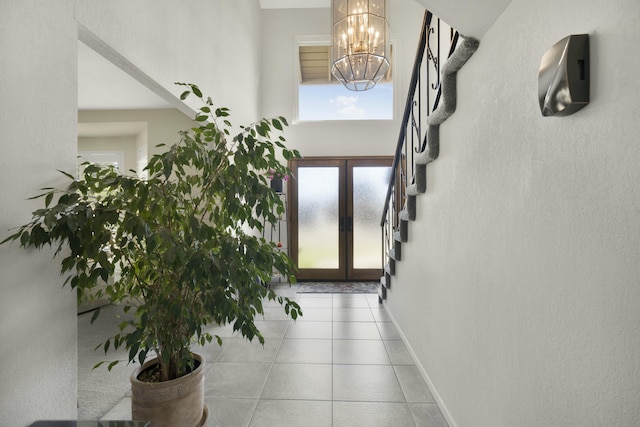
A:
[336,206]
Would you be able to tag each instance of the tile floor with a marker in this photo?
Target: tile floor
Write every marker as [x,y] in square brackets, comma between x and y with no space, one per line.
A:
[341,364]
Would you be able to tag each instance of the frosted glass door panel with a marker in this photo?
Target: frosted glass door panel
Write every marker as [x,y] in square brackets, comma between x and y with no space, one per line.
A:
[318,216]
[369,189]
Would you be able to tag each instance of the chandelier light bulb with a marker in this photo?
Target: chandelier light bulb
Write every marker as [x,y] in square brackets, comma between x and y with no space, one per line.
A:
[360,42]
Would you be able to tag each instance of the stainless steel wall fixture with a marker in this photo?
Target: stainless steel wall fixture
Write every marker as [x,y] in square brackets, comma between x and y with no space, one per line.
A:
[563,78]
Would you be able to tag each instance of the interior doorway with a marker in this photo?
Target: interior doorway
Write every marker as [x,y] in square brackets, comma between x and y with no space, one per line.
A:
[336,206]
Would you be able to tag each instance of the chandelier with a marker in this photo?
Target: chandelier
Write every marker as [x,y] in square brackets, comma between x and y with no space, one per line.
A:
[360,43]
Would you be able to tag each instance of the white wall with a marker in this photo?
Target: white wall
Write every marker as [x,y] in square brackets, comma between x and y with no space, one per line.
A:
[162,125]
[124,144]
[519,288]
[472,18]
[213,44]
[280,30]
[38,96]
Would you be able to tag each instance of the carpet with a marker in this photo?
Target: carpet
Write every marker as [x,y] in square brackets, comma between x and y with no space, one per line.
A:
[337,287]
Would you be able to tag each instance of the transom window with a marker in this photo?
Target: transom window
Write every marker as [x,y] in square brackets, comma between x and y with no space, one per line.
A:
[322,97]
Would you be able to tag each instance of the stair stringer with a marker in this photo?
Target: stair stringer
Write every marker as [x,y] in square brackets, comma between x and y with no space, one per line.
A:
[465,49]
[448,102]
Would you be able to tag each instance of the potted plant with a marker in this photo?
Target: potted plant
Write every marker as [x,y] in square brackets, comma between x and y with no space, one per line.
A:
[176,249]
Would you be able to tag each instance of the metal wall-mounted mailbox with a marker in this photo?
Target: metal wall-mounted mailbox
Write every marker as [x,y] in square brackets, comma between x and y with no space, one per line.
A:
[563,79]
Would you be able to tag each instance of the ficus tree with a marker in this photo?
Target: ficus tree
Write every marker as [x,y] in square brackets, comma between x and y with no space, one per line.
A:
[176,249]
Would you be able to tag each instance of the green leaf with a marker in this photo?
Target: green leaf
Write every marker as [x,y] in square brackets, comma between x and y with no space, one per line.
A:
[276,124]
[68,175]
[196,91]
[95,315]
[104,274]
[168,167]
[133,350]
[24,238]
[72,223]
[184,95]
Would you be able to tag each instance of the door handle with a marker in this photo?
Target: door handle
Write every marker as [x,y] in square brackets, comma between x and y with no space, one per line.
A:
[341,224]
[349,224]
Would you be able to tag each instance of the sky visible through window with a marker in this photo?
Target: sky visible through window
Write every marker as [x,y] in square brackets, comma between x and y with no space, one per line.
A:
[335,102]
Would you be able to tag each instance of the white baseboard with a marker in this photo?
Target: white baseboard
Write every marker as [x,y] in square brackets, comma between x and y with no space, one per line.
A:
[434,392]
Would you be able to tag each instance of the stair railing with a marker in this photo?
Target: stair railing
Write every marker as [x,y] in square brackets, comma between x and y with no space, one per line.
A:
[422,99]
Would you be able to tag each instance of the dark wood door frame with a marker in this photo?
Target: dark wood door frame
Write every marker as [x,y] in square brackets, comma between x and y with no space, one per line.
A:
[309,273]
[345,270]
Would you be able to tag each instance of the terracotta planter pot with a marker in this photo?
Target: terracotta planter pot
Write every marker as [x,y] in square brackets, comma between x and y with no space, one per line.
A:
[178,402]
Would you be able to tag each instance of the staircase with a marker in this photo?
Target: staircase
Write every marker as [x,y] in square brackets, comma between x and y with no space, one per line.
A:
[432,89]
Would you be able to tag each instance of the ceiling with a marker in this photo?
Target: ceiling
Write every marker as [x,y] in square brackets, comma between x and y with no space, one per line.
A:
[315,65]
[293,4]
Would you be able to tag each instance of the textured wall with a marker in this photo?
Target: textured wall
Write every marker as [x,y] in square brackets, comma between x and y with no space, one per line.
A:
[519,287]
[38,97]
